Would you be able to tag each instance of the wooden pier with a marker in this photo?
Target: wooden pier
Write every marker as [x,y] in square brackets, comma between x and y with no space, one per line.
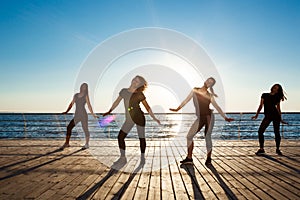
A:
[36,169]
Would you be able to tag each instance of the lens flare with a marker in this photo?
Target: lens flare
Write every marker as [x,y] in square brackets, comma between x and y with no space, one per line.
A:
[105,121]
[173,64]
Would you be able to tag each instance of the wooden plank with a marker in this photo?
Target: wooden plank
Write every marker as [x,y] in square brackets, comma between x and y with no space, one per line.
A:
[178,188]
[272,177]
[30,170]
[216,181]
[154,191]
[135,182]
[195,189]
[253,179]
[230,177]
[66,182]
[39,179]
[75,187]
[144,180]
[99,180]
[167,189]
[248,188]
[127,183]
[118,177]
[88,181]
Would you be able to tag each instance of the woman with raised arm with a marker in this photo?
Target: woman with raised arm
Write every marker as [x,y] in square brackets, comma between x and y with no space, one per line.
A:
[132,97]
[271,103]
[80,99]
[202,98]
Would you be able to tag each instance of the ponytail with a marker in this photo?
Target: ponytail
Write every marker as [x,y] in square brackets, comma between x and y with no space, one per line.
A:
[143,84]
[84,88]
[213,92]
[280,95]
[211,88]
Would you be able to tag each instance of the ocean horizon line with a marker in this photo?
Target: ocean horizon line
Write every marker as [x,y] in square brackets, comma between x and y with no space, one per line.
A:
[169,113]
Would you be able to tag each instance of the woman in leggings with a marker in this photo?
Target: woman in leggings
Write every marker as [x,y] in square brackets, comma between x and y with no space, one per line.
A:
[80,99]
[132,97]
[202,99]
[271,103]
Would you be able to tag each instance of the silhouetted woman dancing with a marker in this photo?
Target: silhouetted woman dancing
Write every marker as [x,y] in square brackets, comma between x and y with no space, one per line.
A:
[134,115]
[271,103]
[80,99]
[205,117]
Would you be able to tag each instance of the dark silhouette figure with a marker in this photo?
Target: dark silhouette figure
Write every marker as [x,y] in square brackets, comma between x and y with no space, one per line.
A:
[132,97]
[80,99]
[271,103]
[205,117]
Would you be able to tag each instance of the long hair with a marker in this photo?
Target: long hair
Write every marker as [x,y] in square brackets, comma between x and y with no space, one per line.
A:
[280,94]
[211,88]
[84,88]
[143,84]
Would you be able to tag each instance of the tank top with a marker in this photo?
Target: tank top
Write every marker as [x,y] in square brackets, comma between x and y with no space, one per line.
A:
[80,102]
[201,104]
[132,106]
[270,102]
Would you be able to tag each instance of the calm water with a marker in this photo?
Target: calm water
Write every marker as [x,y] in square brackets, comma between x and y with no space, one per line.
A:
[18,125]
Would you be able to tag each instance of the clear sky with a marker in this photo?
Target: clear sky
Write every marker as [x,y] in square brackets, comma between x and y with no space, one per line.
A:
[253,44]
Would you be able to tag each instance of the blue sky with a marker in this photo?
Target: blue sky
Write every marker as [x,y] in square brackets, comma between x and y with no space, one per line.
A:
[253,44]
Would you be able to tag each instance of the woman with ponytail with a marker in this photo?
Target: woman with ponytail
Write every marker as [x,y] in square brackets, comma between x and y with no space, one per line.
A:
[80,99]
[271,103]
[132,98]
[202,99]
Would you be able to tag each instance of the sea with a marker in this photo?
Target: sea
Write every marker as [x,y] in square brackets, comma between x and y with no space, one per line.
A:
[53,126]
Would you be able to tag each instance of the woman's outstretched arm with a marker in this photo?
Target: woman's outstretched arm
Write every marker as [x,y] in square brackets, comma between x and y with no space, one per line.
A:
[114,105]
[149,110]
[214,103]
[259,109]
[279,111]
[90,106]
[187,99]
[70,106]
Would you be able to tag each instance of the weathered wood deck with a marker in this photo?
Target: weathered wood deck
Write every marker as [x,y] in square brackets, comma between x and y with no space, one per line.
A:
[34,169]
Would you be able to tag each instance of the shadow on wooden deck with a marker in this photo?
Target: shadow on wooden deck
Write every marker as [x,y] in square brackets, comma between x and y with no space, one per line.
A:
[36,169]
